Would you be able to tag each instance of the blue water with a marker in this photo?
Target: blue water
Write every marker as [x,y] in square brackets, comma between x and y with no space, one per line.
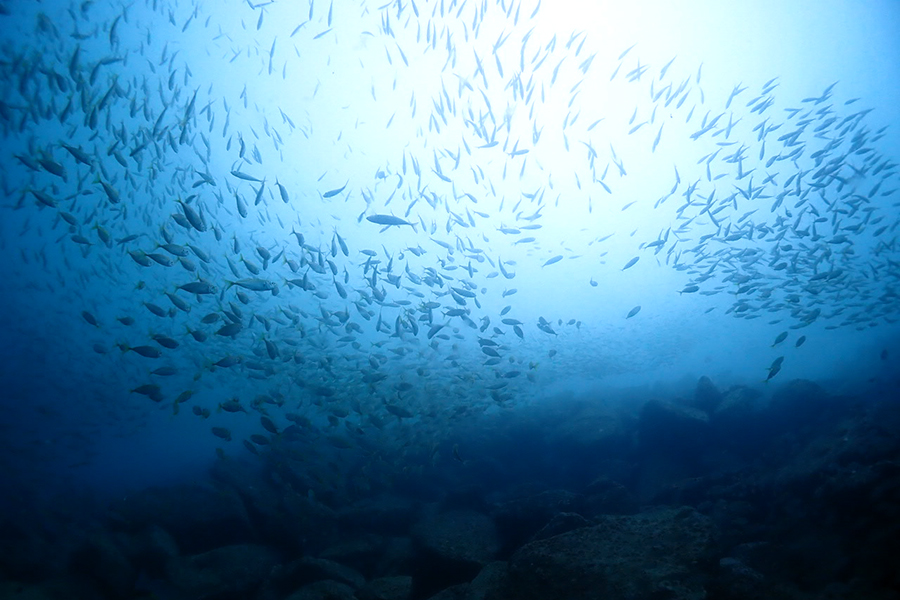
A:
[594,204]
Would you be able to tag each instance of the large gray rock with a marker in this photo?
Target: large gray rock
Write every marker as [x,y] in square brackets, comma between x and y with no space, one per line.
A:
[706,396]
[740,581]
[739,404]
[666,425]
[374,555]
[398,587]
[647,555]
[799,404]
[735,421]
[324,590]
[561,523]
[604,496]
[674,440]
[235,571]
[47,590]
[452,547]
[459,591]
[308,569]
[519,519]
[363,553]
[592,427]
[458,536]
[540,507]
[490,582]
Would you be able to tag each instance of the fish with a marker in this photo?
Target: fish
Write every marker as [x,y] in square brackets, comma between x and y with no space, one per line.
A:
[222,433]
[283,192]
[774,368]
[78,154]
[268,424]
[165,341]
[228,361]
[111,193]
[241,206]
[230,330]
[246,177]
[254,285]
[132,180]
[193,217]
[166,371]
[335,192]
[232,405]
[145,351]
[151,390]
[552,260]
[388,220]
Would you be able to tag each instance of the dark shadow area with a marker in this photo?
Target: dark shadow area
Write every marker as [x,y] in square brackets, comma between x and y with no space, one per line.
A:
[721,494]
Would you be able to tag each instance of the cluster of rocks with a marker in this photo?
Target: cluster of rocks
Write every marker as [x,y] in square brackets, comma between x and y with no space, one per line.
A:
[721,495]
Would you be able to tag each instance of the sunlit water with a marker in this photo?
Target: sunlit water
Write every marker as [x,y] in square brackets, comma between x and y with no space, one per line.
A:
[605,133]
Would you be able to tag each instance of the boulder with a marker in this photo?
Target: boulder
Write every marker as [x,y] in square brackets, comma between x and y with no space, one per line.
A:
[739,581]
[799,404]
[668,426]
[324,590]
[604,496]
[224,573]
[363,553]
[397,557]
[50,590]
[307,570]
[463,537]
[398,587]
[454,592]
[490,582]
[453,546]
[561,523]
[521,518]
[674,440]
[647,555]
[707,396]
[374,555]
[739,404]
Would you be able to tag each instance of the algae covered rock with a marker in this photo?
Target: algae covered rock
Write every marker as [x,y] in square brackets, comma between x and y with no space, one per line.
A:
[654,554]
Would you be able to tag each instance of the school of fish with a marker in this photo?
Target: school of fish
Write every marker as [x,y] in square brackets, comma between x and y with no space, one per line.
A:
[199,212]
